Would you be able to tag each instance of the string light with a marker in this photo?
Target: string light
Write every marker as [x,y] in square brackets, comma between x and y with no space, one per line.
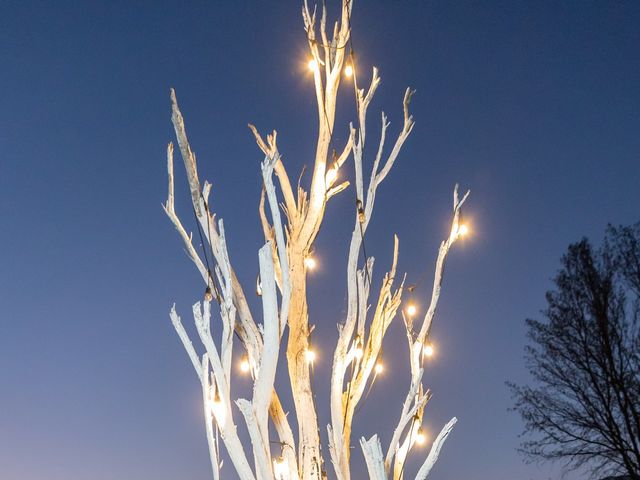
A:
[331,176]
[348,71]
[280,468]
[258,286]
[217,406]
[411,310]
[310,355]
[358,351]
[313,65]
[310,263]
[379,368]
[245,366]
[208,296]
[361,213]
[421,438]
[428,349]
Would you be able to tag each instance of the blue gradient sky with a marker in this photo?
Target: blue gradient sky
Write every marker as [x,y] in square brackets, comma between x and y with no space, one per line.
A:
[535,106]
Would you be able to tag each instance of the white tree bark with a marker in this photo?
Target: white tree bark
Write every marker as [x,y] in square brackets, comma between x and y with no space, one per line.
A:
[282,280]
[372,451]
[435,450]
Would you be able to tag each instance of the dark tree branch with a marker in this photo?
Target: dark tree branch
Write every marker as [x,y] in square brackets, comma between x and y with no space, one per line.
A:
[585,361]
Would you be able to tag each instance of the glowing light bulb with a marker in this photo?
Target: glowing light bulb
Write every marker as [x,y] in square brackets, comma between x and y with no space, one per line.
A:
[310,263]
[280,468]
[207,294]
[313,65]
[244,364]
[379,368]
[421,438]
[463,230]
[358,351]
[217,406]
[331,176]
[348,71]
[411,310]
[310,355]
[428,349]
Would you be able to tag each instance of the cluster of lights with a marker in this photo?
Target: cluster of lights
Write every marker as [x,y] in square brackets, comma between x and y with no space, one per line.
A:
[217,405]
[313,66]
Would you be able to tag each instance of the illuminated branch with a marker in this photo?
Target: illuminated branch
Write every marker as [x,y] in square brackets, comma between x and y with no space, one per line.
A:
[435,450]
[417,345]
[372,451]
[345,400]
[290,227]
[233,307]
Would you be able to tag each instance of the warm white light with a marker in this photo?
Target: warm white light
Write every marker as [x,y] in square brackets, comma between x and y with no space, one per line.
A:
[332,173]
[348,71]
[379,368]
[411,310]
[207,294]
[421,438]
[280,468]
[217,406]
[244,364]
[463,230]
[310,263]
[358,351]
[310,355]
[428,349]
[258,286]
[313,65]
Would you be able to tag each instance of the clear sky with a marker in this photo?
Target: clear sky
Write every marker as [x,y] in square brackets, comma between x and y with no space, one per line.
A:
[534,106]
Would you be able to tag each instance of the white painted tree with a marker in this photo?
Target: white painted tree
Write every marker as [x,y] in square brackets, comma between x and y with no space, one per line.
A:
[283,264]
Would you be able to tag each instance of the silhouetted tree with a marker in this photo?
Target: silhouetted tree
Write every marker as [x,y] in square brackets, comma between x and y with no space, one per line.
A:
[584,408]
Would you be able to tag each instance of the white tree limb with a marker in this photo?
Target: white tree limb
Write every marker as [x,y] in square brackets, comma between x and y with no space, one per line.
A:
[435,450]
[226,426]
[208,417]
[283,268]
[186,342]
[372,451]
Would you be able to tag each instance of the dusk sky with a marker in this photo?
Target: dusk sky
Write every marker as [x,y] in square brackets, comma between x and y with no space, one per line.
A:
[534,106]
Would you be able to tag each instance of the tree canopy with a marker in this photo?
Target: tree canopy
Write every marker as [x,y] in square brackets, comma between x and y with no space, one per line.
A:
[584,405]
